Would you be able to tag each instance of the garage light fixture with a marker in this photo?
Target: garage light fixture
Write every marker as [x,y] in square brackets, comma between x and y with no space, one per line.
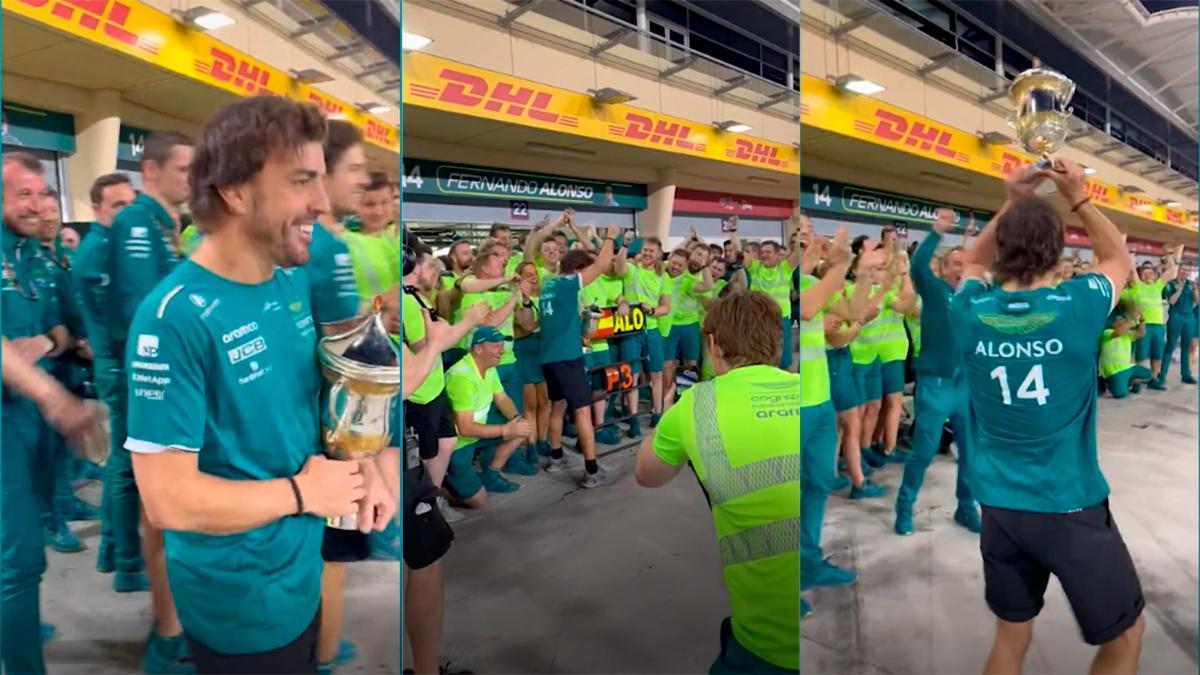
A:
[732,126]
[857,85]
[610,96]
[1087,170]
[558,151]
[310,76]
[412,42]
[373,108]
[995,138]
[1131,189]
[1170,203]
[205,19]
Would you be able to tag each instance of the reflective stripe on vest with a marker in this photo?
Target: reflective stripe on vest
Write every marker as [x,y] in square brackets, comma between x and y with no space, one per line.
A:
[726,483]
[778,286]
[1115,355]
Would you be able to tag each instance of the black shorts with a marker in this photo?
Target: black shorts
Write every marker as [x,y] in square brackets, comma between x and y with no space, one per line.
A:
[344,546]
[298,657]
[567,380]
[1083,549]
[427,535]
[431,421]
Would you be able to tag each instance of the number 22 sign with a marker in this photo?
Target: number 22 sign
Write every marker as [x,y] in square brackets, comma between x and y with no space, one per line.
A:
[518,210]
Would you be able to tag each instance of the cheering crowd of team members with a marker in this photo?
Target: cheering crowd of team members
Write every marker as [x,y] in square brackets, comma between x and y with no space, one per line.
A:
[1013,345]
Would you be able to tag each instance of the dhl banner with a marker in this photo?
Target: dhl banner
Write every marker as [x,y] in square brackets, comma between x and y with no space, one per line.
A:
[145,33]
[866,119]
[430,82]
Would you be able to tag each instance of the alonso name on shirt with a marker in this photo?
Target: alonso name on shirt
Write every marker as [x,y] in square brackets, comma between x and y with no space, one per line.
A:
[1019,350]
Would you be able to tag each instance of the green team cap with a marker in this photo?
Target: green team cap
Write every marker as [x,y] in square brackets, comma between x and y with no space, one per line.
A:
[485,334]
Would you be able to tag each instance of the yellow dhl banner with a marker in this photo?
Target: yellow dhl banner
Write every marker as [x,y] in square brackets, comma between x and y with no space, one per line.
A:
[431,82]
[145,33]
[824,107]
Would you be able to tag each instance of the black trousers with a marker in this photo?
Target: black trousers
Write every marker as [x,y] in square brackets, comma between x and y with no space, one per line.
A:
[297,658]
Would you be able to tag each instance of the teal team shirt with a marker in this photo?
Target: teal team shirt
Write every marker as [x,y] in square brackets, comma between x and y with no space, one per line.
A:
[938,354]
[562,334]
[27,310]
[229,371]
[331,276]
[1185,306]
[1031,360]
[90,272]
[141,256]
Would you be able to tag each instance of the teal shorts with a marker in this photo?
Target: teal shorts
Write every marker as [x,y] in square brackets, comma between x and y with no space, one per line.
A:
[872,381]
[529,359]
[655,347]
[1152,345]
[599,359]
[683,343]
[893,377]
[631,349]
[461,476]
[845,381]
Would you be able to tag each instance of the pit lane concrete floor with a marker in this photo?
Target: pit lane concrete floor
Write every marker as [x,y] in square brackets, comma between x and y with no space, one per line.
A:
[100,631]
[918,606]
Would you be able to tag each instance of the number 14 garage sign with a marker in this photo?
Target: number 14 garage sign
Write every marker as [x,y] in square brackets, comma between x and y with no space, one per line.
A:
[460,181]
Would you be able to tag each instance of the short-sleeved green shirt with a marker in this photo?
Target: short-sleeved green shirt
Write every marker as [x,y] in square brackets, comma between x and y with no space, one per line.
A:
[468,391]
[644,286]
[494,299]
[741,432]
[376,261]
[1116,353]
[685,303]
[413,325]
[211,371]
[603,292]
[1149,298]
[774,281]
[562,333]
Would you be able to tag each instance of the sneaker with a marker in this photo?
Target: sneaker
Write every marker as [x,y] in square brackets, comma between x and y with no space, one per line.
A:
[64,541]
[131,582]
[654,418]
[1188,379]
[897,457]
[166,656]
[449,513]
[105,557]
[494,482]
[595,480]
[873,457]
[345,654]
[867,490]
[827,574]
[904,522]
[1157,386]
[968,516]
[841,483]
[48,631]
[608,436]
[635,428]
[806,609]
[1136,387]
[81,510]
[557,465]
[324,669]
[867,469]
[543,449]
[517,466]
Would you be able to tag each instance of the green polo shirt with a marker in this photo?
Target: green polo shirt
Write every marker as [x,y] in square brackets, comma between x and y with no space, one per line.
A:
[468,391]
[140,256]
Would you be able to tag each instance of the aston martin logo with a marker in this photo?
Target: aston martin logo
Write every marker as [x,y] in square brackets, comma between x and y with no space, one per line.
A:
[1017,325]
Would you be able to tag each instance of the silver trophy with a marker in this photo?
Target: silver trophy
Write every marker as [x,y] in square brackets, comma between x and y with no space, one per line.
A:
[1041,97]
[362,367]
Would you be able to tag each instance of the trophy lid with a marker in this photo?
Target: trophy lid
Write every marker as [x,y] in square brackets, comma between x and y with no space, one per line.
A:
[365,352]
[1040,78]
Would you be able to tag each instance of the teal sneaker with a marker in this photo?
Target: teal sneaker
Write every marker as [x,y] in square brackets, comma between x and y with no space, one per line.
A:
[64,541]
[867,469]
[1188,379]
[1136,387]
[654,418]
[105,557]
[48,631]
[826,574]
[80,510]
[897,457]
[130,582]
[873,457]
[968,516]
[543,449]
[840,483]
[806,609]
[517,465]
[324,669]
[867,490]
[166,656]
[904,522]
[494,482]
[635,428]
[345,654]
[1157,386]
[608,436]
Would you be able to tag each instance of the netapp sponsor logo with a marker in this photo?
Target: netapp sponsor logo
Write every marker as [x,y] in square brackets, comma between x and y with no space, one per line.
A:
[240,331]
[142,365]
[151,379]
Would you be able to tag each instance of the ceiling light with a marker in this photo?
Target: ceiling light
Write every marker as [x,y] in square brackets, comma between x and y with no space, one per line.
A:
[1169,203]
[857,85]
[203,18]
[1087,170]
[732,126]
[1131,189]
[310,76]
[995,138]
[610,96]
[558,151]
[412,42]
[373,108]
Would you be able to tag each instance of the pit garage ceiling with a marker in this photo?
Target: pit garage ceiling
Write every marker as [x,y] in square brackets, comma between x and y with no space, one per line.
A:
[1150,45]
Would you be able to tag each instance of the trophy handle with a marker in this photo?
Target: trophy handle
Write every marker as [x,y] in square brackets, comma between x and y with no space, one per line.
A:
[1011,120]
[334,392]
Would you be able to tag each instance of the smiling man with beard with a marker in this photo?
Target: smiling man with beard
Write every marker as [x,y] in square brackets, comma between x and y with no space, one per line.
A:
[224,388]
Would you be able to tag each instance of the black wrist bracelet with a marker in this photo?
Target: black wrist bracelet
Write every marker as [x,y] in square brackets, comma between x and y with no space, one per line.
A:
[1081,203]
[299,499]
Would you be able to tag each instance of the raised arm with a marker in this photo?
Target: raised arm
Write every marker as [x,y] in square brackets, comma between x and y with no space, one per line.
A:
[814,299]
[1112,258]
[593,271]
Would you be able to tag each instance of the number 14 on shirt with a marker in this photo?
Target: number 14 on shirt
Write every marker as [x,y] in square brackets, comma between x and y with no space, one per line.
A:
[1033,387]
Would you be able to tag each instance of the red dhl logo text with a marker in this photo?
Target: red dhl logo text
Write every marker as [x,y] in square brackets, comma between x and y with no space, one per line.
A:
[1097,191]
[758,153]
[327,106]
[1140,204]
[472,91]
[659,132]
[378,132]
[1173,217]
[1008,163]
[895,129]
[231,70]
[107,16]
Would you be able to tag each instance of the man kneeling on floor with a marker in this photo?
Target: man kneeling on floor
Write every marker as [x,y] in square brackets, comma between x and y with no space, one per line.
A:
[473,387]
